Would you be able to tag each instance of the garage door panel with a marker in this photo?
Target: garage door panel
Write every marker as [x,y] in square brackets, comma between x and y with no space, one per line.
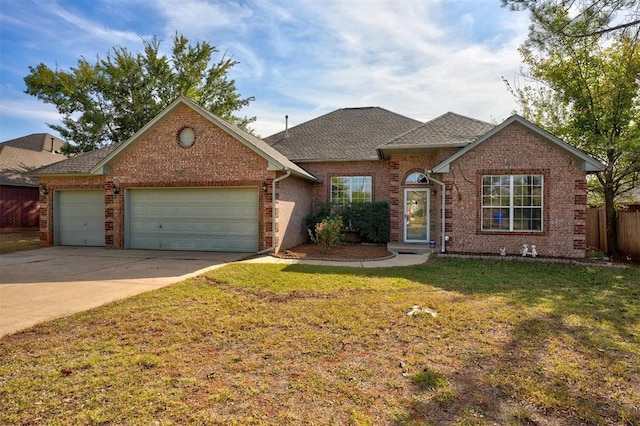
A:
[80,218]
[206,219]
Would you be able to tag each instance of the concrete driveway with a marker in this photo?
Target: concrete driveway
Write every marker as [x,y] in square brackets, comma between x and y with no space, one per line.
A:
[52,282]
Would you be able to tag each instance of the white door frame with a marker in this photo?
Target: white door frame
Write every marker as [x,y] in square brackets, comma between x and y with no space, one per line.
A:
[427,193]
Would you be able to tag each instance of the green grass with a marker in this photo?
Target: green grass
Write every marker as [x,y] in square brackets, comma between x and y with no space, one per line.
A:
[512,344]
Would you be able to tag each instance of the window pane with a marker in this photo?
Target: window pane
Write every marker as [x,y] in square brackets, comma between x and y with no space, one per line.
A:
[361,189]
[527,219]
[517,195]
[416,177]
[495,219]
[340,190]
[351,189]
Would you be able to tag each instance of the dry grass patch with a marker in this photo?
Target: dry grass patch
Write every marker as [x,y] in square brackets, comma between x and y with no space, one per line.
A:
[18,239]
[510,343]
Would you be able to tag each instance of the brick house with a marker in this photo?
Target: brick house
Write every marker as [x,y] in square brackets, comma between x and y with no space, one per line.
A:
[19,193]
[191,181]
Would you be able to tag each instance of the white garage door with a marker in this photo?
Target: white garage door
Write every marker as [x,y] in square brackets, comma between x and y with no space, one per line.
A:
[206,219]
[80,218]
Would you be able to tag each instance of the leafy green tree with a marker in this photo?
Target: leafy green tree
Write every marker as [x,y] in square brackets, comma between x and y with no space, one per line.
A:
[108,101]
[585,90]
[586,18]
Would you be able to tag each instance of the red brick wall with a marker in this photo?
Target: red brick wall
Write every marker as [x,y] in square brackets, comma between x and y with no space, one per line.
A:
[517,151]
[48,186]
[214,159]
[388,184]
[18,206]
[295,197]
[157,160]
[378,170]
[401,167]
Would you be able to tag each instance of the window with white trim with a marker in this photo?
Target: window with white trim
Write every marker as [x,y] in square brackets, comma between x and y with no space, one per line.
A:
[512,202]
[350,189]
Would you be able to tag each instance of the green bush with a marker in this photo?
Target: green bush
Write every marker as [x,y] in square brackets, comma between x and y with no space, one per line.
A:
[369,221]
[327,233]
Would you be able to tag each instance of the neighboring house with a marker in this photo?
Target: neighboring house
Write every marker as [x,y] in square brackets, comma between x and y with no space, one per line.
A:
[191,181]
[631,201]
[19,193]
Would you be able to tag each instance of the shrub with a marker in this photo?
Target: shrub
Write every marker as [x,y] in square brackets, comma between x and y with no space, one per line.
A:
[328,233]
[369,221]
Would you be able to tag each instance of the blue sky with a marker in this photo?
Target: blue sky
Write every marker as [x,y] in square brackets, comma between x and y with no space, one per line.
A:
[302,58]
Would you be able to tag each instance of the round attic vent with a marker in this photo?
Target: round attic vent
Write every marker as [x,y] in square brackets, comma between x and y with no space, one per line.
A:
[186,137]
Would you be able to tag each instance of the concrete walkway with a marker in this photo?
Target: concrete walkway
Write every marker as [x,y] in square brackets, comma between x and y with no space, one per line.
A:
[43,284]
[397,260]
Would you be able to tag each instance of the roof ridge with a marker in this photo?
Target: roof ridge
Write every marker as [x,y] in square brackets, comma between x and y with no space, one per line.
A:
[323,116]
[466,117]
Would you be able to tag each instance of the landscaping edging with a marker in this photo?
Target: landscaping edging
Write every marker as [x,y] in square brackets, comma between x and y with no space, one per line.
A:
[336,259]
[533,259]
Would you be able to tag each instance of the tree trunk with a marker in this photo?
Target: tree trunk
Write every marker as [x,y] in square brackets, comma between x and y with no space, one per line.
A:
[610,211]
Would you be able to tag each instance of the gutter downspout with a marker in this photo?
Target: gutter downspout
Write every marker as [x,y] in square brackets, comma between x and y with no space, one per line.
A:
[442,236]
[273,211]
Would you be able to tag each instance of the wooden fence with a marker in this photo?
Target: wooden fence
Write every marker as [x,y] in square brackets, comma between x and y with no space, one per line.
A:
[628,232]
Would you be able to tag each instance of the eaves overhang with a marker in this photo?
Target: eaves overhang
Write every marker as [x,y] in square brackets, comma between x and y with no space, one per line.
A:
[588,163]
[276,161]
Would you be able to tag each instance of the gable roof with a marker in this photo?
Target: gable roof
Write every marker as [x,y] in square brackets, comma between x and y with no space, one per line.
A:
[347,134]
[21,155]
[448,130]
[94,162]
[41,142]
[589,164]
[276,160]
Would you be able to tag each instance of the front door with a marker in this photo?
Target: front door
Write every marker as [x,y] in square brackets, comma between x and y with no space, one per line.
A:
[416,215]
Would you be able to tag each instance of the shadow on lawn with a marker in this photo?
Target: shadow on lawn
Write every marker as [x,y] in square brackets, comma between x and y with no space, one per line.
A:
[572,352]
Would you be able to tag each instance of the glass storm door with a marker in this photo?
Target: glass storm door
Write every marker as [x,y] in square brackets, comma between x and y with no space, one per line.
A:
[416,215]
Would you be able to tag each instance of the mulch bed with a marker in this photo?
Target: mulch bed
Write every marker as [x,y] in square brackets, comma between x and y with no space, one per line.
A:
[345,251]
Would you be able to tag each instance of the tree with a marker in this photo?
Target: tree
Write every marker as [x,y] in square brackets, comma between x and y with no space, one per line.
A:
[108,101]
[587,92]
[586,18]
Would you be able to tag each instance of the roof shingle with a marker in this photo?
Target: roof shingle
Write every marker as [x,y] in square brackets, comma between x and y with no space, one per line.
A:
[21,155]
[342,135]
[41,142]
[80,164]
[449,129]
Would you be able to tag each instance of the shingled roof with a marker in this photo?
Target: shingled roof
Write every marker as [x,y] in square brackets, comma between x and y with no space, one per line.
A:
[41,142]
[348,134]
[80,164]
[447,130]
[21,155]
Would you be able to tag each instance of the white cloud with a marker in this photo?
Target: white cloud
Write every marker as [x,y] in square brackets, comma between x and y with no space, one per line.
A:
[29,108]
[403,56]
[77,23]
[307,57]
[199,18]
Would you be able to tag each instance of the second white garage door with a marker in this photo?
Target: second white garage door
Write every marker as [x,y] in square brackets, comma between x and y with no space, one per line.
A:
[206,219]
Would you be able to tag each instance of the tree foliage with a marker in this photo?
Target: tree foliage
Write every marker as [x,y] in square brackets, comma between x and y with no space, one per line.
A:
[109,100]
[577,18]
[586,91]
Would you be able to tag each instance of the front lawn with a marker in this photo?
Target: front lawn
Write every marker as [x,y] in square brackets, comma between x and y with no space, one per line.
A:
[18,239]
[504,343]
